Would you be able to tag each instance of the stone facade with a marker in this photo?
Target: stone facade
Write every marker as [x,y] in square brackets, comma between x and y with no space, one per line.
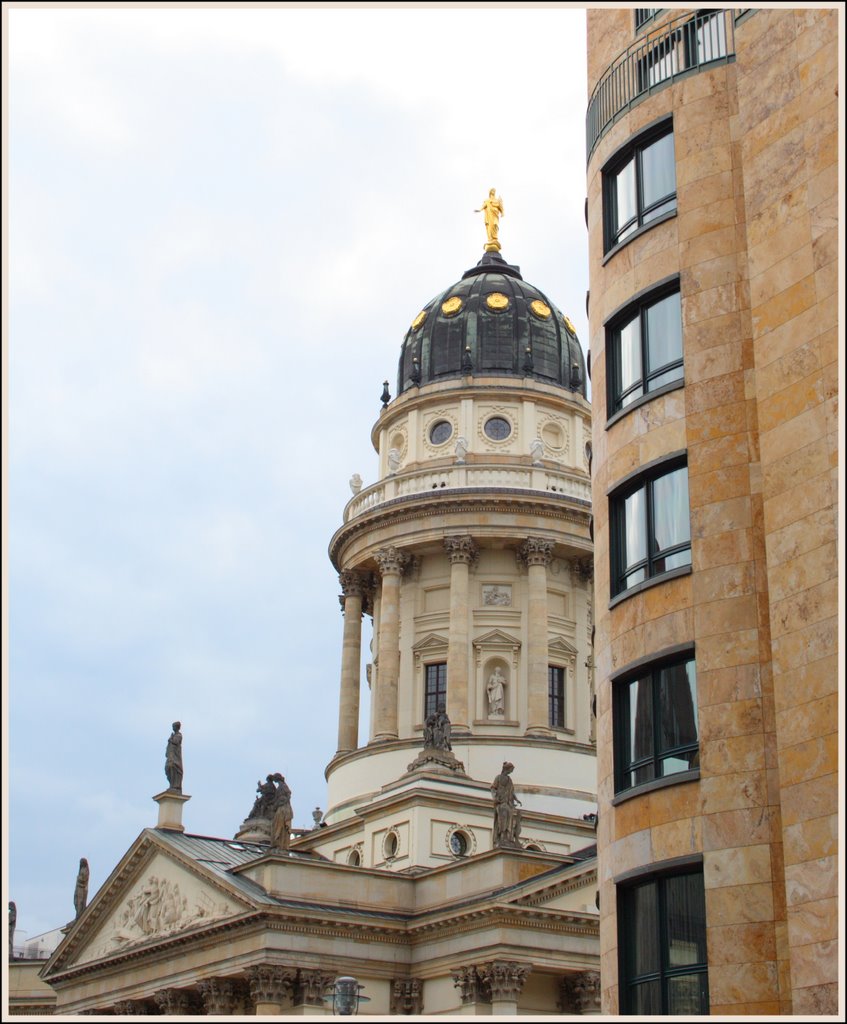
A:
[751,248]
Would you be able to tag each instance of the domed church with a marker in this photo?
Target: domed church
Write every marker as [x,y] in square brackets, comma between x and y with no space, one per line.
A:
[454,870]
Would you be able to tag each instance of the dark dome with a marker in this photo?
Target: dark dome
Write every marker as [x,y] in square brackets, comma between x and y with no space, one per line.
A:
[491,323]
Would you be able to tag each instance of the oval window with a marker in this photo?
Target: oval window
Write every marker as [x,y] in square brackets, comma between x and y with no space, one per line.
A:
[390,845]
[459,844]
[497,428]
[440,432]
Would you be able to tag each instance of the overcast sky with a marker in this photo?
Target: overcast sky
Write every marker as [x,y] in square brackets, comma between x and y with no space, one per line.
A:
[222,223]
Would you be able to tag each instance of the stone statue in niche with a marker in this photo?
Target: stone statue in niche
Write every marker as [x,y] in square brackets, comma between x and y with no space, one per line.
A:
[173,759]
[355,483]
[496,691]
[393,460]
[81,887]
[496,596]
[507,817]
[461,449]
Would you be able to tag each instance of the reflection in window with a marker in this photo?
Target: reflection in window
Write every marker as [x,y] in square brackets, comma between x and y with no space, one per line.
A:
[645,349]
[639,186]
[651,527]
[656,724]
[662,938]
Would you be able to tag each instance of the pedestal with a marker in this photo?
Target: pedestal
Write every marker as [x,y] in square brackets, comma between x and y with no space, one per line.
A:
[170,810]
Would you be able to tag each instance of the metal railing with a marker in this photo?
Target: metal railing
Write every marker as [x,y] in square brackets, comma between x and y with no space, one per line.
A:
[686,44]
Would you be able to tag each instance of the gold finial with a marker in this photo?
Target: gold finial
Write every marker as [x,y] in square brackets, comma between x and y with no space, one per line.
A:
[493,210]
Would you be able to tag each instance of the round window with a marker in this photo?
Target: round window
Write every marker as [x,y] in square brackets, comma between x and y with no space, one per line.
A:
[459,844]
[440,432]
[389,847]
[497,428]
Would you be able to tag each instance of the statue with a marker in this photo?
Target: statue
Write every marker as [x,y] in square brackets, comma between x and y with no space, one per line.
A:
[266,793]
[81,888]
[492,208]
[496,690]
[283,815]
[437,730]
[355,483]
[173,759]
[13,920]
[393,460]
[507,817]
[536,451]
[461,449]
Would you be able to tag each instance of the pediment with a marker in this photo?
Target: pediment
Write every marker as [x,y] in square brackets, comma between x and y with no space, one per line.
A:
[151,896]
[558,645]
[497,638]
[430,642]
[575,894]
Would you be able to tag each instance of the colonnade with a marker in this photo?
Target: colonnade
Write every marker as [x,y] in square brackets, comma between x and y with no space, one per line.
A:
[359,587]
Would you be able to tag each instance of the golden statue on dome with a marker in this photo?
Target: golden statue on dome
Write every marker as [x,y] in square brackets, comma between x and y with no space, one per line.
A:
[493,210]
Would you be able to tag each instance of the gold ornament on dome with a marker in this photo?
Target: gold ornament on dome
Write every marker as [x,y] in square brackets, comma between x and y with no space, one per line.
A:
[492,208]
[541,309]
[451,306]
[569,325]
[419,319]
[497,300]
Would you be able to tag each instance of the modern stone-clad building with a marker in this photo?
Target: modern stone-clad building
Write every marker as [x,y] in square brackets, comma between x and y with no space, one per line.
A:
[454,870]
[712,216]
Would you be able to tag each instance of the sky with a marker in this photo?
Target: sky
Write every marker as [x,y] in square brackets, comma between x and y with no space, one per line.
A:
[221,223]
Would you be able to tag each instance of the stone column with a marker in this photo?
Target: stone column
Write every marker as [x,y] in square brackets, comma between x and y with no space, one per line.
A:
[473,990]
[224,996]
[270,988]
[580,993]
[309,992]
[391,562]
[353,587]
[176,1002]
[505,980]
[461,551]
[537,554]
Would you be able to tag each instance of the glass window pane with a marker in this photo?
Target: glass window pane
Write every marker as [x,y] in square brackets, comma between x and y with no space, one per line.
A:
[635,520]
[685,906]
[625,195]
[687,995]
[664,332]
[668,377]
[646,999]
[641,720]
[677,696]
[643,917]
[657,211]
[629,354]
[671,524]
[658,177]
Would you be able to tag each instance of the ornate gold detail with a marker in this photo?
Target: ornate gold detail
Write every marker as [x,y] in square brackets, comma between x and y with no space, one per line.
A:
[497,300]
[419,319]
[569,325]
[492,208]
[541,309]
[451,306]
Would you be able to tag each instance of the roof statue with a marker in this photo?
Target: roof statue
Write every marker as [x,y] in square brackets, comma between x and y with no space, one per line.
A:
[81,887]
[492,208]
[507,817]
[173,759]
[13,920]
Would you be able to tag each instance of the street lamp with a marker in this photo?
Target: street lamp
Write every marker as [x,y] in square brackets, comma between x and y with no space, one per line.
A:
[346,996]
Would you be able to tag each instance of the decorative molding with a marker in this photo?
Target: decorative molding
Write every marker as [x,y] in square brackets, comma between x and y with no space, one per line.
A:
[132,1008]
[496,641]
[497,595]
[461,548]
[225,996]
[505,978]
[472,987]
[391,560]
[506,412]
[177,1002]
[536,551]
[310,988]
[406,997]
[580,993]
[429,423]
[270,983]
[354,583]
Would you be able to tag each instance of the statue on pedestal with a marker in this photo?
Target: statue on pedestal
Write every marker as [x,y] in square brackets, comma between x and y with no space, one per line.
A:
[507,817]
[496,690]
[173,759]
[81,887]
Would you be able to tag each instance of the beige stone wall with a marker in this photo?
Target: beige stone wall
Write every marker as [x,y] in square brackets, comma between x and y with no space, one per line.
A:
[754,245]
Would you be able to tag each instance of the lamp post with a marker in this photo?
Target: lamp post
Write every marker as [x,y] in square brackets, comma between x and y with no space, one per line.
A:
[346,996]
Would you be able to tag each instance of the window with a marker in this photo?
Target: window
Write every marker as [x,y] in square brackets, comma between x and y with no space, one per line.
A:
[696,42]
[645,14]
[656,723]
[556,695]
[435,692]
[662,943]
[644,343]
[639,185]
[651,531]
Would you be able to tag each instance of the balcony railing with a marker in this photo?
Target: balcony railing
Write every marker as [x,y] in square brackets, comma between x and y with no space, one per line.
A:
[525,478]
[687,44]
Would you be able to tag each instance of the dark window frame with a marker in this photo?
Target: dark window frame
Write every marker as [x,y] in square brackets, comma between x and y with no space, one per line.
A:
[639,306]
[625,763]
[556,696]
[435,687]
[644,15]
[634,150]
[645,479]
[631,937]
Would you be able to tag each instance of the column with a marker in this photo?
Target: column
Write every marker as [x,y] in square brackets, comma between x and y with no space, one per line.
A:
[505,980]
[176,1002]
[580,993]
[353,588]
[313,993]
[391,562]
[224,996]
[537,553]
[472,990]
[270,988]
[461,551]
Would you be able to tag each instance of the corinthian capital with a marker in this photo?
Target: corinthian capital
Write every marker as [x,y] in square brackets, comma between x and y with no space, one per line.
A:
[270,984]
[223,996]
[461,548]
[391,560]
[580,992]
[536,551]
[505,978]
[354,583]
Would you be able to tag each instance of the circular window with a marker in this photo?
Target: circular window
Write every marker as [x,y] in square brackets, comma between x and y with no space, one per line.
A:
[459,844]
[497,428]
[440,432]
[553,436]
[389,846]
